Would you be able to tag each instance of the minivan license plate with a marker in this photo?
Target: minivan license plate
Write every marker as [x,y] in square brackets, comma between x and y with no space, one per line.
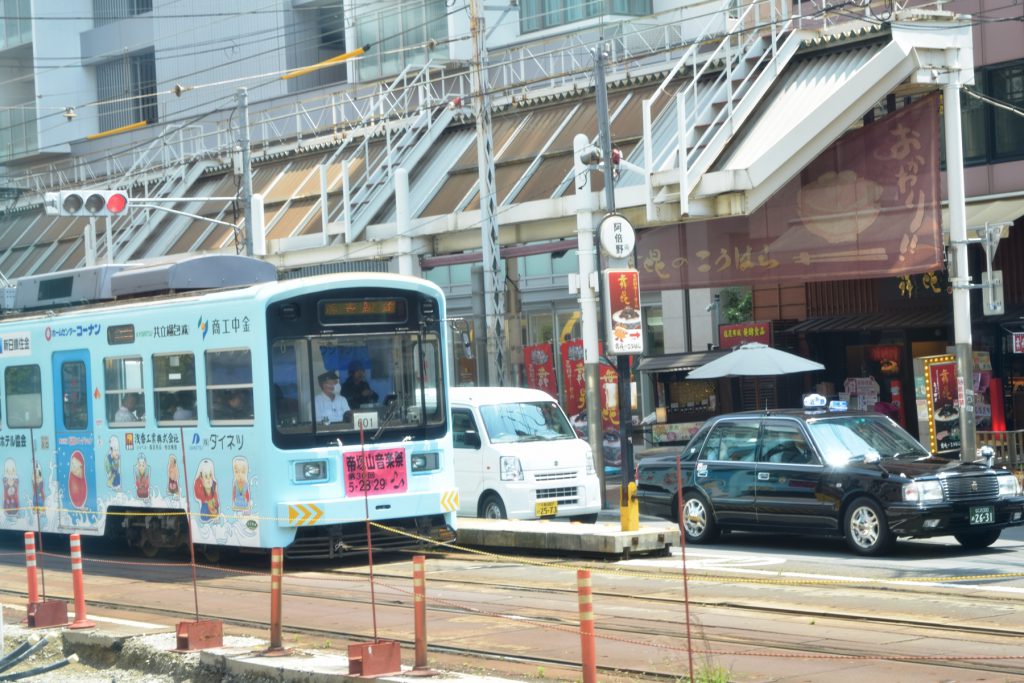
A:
[548,508]
[983,515]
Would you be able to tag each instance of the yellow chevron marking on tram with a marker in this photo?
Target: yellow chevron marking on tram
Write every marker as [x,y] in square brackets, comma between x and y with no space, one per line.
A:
[304,515]
[450,501]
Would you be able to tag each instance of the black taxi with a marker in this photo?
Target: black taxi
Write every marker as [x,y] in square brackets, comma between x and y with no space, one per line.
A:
[826,472]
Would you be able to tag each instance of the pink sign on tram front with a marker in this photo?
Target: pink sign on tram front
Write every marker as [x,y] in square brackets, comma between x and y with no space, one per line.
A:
[375,472]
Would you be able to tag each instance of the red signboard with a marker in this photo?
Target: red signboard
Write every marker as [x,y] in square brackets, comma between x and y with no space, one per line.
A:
[576,384]
[625,334]
[740,333]
[375,472]
[1018,342]
[867,207]
[540,368]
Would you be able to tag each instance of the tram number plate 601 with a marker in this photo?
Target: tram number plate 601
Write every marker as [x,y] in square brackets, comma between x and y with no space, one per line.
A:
[375,472]
[983,515]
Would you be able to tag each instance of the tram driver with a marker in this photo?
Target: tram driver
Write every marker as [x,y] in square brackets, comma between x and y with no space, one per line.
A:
[330,405]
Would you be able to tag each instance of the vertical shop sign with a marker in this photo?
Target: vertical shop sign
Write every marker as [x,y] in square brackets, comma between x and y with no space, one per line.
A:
[624,334]
[540,368]
[942,402]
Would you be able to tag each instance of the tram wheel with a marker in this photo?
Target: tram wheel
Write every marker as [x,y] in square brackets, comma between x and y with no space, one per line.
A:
[211,553]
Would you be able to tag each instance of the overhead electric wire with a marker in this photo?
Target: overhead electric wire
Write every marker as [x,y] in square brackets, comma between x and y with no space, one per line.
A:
[292,29]
[518,85]
[127,148]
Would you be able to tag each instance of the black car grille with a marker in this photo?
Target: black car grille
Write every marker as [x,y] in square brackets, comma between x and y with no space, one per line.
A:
[566,495]
[968,488]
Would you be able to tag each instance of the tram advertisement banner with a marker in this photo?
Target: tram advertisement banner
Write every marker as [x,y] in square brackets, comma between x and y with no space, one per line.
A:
[576,385]
[540,368]
[375,472]
[867,207]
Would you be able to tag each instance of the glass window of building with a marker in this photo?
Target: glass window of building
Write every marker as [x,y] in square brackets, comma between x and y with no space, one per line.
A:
[535,15]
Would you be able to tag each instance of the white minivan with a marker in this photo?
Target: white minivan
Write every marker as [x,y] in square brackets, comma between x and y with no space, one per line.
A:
[518,457]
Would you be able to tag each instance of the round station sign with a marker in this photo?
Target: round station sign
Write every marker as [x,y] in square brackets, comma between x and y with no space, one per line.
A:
[616,236]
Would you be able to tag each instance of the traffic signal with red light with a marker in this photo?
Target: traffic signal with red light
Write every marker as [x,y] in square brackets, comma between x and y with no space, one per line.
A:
[88,203]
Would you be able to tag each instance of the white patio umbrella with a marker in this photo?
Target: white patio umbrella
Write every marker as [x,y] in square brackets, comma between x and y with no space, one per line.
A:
[754,359]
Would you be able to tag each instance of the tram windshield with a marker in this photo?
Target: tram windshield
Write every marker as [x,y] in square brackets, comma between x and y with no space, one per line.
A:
[352,382]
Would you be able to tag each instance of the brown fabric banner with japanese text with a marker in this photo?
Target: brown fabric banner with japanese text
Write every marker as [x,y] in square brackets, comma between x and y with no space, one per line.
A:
[867,207]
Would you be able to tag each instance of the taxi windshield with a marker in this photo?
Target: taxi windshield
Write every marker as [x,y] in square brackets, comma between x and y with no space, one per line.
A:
[859,437]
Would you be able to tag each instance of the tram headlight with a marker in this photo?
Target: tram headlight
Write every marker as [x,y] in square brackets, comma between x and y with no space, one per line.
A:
[424,462]
[311,470]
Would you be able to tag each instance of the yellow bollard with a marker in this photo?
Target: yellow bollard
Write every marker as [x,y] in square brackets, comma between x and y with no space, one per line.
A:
[629,509]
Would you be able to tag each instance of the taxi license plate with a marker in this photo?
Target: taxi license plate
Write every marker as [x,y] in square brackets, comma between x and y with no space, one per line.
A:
[983,515]
[548,508]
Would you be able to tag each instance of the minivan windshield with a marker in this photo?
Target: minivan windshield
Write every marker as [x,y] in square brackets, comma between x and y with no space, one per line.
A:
[866,438]
[518,422]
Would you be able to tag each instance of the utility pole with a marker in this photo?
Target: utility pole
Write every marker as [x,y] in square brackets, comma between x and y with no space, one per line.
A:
[589,311]
[627,493]
[243,142]
[494,283]
[960,271]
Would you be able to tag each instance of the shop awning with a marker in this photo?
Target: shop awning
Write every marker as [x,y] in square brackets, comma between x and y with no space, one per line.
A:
[675,362]
[980,212]
[875,321]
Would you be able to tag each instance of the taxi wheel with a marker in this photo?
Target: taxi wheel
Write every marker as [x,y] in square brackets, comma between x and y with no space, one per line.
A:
[698,519]
[978,539]
[866,528]
[492,508]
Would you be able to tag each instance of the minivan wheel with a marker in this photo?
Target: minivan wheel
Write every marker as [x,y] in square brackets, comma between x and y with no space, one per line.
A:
[492,508]
[978,539]
[866,528]
[698,519]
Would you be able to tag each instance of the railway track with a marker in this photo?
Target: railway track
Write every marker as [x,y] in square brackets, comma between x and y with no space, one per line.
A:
[551,608]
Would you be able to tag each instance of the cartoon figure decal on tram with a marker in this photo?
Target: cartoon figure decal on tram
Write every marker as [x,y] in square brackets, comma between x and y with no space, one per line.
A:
[240,486]
[206,491]
[78,486]
[38,488]
[114,464]
[142,477]
[11,504]
[172,477]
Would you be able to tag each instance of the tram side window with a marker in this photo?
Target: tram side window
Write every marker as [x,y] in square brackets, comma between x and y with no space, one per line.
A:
[289,366]
[229,386]
[124,400]
[23,391]
[174,389]
[76,401]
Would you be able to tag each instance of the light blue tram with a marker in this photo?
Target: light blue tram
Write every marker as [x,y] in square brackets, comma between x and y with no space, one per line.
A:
[276,413]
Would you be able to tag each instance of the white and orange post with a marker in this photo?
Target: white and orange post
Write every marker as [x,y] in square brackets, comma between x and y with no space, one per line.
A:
[30,567]
[419,597]
[276,577]
[77,582]
[587,644]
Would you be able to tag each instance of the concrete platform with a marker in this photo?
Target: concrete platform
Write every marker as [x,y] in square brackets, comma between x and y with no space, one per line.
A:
[602,538]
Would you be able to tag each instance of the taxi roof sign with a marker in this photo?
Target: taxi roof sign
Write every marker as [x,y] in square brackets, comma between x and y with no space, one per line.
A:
[815,401]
